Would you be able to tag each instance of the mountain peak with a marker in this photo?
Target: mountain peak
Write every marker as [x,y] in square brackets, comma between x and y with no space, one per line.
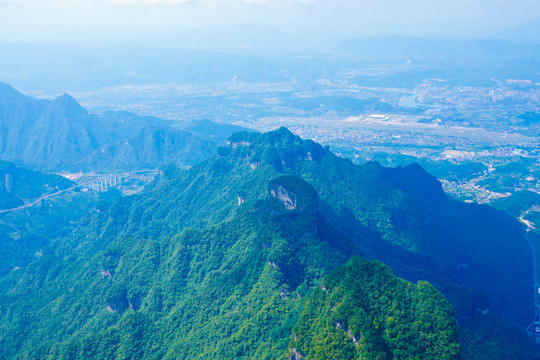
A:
[283,131]
[67,107]
[66,99]
[6,87]
[413,179]
[7,91]
[280,148]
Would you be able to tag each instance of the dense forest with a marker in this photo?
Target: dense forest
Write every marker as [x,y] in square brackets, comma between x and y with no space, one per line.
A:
[276,248]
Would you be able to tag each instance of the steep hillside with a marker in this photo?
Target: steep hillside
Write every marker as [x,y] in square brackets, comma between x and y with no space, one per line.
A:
[358,302]
[27,184]
[518,203]
[233,290]
[62,136]
[17,114]
[472,245]
[477,256]
[152,145]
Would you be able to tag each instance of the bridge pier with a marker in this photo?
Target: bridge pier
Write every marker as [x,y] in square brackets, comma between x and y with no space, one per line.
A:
[534,328]
[534,331]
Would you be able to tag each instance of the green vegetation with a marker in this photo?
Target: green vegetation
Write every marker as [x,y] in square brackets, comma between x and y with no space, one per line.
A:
[362,311]
[234,290]
[513,173]
[226,260]
[25,232]
[534,218]
[26,184]
[490,337]
[518,203]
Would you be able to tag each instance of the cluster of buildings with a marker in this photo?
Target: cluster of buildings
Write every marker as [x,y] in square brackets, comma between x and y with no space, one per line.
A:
[511,93]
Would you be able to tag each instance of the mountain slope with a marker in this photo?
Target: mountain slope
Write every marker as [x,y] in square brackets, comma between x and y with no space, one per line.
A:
[477,256]
[17,114]
[62,135]
[402,210]
[233,290]
[358,302]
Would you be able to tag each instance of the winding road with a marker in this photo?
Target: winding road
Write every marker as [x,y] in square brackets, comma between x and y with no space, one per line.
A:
[124,174]
[534,328]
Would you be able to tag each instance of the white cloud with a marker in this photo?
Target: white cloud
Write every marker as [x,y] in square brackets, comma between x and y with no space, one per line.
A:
[148,2]
[69,3]
[212,2]
[9,3]
[57,19]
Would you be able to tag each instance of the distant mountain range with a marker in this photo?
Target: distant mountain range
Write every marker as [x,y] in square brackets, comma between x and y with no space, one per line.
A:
[405,61]
[61,135]
[73,68]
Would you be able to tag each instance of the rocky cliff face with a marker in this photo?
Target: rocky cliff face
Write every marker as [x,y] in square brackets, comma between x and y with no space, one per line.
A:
[293,193]
[286,197]
[117,304]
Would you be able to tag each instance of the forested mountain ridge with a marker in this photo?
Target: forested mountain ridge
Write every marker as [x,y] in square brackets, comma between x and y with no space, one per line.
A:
[233,290]
[60,135]
[223,261]
[426,235]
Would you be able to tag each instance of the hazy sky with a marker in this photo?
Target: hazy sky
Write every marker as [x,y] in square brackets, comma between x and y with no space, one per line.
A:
[70,20]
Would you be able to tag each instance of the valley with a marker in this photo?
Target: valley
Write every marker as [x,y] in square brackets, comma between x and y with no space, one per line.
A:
[476,110]
[128,183]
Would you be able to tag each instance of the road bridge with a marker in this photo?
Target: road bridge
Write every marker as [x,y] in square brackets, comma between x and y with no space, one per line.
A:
[98,184]
[102,183]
